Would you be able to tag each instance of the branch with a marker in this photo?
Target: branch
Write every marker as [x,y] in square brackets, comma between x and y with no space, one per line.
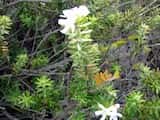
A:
[18,1]
[47,70]
[46,37]
[9,116]
[154,45]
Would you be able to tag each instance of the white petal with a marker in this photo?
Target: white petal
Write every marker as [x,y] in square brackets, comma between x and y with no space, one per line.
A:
[114,115]
[64,30]
[67,24]
[119,115]
[71,16]
[84,10]
[117,106]
[62,16]
[68,29]
[71,13]
[67,13]
[103,117]
[62,22]
[99,112]
[113,118]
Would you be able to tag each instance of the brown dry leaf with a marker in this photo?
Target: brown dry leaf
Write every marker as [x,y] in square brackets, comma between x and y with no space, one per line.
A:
[102,77]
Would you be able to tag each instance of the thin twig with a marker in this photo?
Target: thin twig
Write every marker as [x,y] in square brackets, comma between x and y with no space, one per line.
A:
[149,10]
[40,51]
[69,77]
[46,37]
[28,86]
[25,37]
[145,8]
[126,3]
[19,1]
[154,45]
[34,41]
[57,53]
[9,116]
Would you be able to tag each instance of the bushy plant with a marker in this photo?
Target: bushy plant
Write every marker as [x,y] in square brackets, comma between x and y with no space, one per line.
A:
[21,62]
[155,21]
[31,18]
[78,115]
[25,100]
[39,61]
[13,93]
[134,101]
[44,86]
[46,92]
[150,110]
[5,25]
[45,95]
[150,79]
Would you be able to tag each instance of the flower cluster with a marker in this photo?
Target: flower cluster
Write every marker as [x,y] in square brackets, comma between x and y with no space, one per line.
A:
[111,112]
[71,16]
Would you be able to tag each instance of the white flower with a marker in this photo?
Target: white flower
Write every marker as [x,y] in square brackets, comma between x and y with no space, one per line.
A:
[68,25]
[111,112]
[82,11]
[102,112]
[71,16]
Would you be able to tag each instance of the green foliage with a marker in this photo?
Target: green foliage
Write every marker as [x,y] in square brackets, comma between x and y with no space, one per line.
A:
[112,19]
[77,115]
[5,25]
[142,31]
[13,93]
[31,18]
[44,86]
[85,56]
[145,70]
[106,95]
[46,95]
[26,20]
[100,5]
[133,104]
[21,61]
[26,100]
[150,78]
[39,61]
[155,21]
[150,110]
[115,67]
[83,51]
[118,43]
[108,19]
[79,93]
[87,94]
[113,24]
